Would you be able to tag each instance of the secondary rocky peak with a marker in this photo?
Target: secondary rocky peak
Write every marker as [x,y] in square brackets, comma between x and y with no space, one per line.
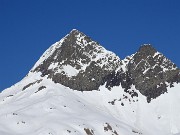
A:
[148,70]
[148,57]
[144,52]
[152,72]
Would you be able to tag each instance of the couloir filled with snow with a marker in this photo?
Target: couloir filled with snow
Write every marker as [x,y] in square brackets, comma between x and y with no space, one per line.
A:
[46,108]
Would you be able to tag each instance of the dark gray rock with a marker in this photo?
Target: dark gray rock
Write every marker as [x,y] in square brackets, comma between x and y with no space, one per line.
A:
[78,50]
[151,72]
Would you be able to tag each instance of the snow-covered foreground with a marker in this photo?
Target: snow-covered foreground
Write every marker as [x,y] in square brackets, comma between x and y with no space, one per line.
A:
[46,108]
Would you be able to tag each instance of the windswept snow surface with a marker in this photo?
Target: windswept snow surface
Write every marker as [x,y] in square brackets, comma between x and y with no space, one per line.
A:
[37,106]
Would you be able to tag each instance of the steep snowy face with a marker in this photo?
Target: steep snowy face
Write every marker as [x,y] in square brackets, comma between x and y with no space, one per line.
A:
[152,72]
[77,62]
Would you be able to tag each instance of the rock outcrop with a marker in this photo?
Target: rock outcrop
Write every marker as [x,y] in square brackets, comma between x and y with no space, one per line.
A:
[79,63]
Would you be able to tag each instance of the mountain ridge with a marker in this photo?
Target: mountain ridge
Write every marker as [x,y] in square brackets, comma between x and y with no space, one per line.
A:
[77,89]
[92,65]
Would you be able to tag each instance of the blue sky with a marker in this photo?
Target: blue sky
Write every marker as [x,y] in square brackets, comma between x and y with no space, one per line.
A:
[29,27]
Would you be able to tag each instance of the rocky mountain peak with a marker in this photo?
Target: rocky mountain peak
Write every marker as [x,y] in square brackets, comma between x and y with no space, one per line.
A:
[75,37]
[75,32]
[148,70]
[78,62]
[152,72]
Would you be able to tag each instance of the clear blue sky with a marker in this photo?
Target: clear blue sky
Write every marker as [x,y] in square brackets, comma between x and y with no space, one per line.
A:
[29,27]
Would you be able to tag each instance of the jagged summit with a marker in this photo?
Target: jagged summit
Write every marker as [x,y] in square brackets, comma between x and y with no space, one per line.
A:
[152,72]
[75,37]
[74,32]
[78,62]
[148,70]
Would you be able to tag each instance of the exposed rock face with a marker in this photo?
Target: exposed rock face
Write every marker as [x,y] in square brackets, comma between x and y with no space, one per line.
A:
[82,64]
[151,72]
[79,63]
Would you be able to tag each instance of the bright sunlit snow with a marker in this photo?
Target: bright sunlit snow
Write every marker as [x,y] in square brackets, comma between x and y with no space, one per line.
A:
[57,110]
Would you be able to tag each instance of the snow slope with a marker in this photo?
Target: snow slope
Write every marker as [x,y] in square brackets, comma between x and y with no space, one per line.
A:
[46,108]
[39,105]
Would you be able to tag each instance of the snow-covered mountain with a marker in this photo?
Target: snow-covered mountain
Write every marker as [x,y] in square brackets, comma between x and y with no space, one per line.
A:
[77,62]
[77,87]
